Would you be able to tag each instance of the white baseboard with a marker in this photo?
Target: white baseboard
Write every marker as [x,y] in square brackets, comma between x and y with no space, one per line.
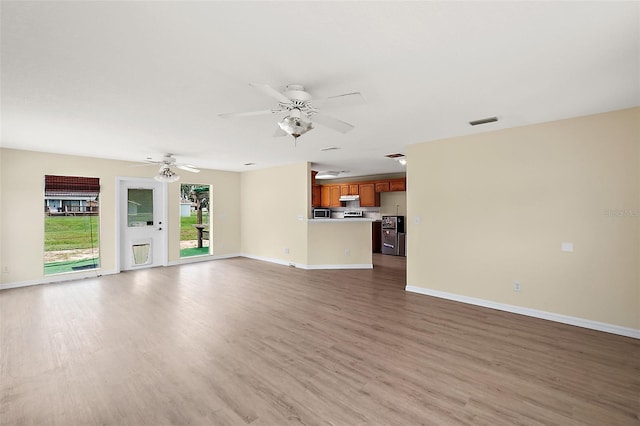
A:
[71,276]
[271,260]
[206,258]
[565,319]
[305,266]
[340,266]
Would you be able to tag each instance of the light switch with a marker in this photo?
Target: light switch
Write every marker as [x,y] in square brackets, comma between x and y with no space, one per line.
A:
[567,247]
[416,220]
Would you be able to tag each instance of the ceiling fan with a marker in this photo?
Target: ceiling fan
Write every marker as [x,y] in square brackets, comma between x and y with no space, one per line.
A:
[165,174]
[296,103]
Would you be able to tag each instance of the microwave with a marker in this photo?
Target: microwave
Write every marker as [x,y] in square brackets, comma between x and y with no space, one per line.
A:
[321,214]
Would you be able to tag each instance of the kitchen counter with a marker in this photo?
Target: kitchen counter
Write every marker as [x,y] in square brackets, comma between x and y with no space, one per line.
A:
[350,219]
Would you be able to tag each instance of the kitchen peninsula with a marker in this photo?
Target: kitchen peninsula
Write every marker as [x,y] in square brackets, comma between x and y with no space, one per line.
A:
[340,243]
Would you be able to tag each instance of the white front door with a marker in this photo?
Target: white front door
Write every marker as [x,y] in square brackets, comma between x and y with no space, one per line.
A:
[142,224]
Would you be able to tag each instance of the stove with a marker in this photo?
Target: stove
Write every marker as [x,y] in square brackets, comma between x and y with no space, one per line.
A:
[353,213]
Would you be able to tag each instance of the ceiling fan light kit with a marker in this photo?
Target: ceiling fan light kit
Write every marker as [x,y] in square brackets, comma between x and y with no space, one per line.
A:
[295,126]
[166,175]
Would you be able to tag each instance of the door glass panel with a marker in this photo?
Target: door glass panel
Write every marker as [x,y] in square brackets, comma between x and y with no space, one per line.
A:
[195,223]
[139,207]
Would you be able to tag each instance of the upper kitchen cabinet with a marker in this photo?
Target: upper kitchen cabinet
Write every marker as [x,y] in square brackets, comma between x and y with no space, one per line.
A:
[368,195]
[330,196]
[316,196]
[335,196]
[382,186]
[369,191]
[349,189]
[398,184]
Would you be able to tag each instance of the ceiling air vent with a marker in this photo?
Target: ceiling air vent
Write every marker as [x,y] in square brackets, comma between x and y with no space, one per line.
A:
[329,148]
[483,121]
[394,155]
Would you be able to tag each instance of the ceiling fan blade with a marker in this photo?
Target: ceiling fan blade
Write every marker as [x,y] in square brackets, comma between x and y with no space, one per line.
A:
[187,167]
[270,91]
[334,123]
[353,98]
[250,113]
[150,163]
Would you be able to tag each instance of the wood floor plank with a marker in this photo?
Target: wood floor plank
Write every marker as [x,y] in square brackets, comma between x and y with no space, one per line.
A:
[244,342]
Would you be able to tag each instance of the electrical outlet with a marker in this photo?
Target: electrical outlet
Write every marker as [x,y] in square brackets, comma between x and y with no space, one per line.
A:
[516,286]
[286,250]
[347,252]
[5,269]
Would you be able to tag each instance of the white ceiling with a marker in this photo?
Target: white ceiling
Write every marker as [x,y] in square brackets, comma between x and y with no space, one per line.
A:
[131,80]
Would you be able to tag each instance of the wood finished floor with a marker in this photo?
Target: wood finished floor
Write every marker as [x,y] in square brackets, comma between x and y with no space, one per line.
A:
[239,341]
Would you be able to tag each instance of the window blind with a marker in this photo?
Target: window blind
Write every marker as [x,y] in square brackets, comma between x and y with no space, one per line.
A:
[71,186]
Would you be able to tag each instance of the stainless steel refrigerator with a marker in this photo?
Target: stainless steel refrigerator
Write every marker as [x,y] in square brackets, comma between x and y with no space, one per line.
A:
[392,227]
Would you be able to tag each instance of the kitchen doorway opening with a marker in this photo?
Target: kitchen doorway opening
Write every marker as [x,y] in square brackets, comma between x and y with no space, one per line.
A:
[195,224]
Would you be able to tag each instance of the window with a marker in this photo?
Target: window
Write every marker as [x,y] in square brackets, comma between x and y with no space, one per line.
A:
[71,224]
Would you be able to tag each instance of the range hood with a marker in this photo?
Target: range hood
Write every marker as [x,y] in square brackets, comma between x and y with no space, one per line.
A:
[349,198]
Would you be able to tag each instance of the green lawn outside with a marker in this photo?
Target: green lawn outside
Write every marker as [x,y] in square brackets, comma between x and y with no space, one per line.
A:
[187,231]
[70,232]
[75,232]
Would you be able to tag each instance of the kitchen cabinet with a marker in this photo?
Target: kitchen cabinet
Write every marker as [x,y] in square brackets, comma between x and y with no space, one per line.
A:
[397,185]
[325,196]
[382,186]
[316,196]
[335,196]
[330,196]
[349,189]
[368,195]
[369,191]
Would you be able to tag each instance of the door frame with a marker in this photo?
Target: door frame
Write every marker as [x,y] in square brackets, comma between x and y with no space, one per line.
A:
[163,208]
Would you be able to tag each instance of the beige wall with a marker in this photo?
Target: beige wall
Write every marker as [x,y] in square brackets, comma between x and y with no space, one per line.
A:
[393,203]
[495,207]
[275,207]
[21,209]
[340,243]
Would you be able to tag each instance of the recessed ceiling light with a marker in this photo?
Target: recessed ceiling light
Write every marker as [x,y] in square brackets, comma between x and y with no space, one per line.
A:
[394,155]
[483,121]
